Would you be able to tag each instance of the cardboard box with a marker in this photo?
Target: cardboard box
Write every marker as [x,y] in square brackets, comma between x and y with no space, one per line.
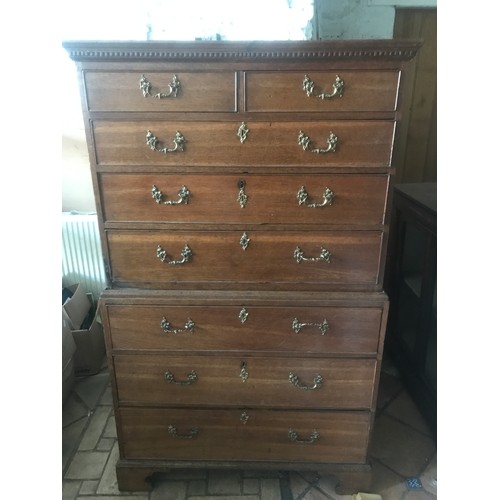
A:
[68,350]
[89,342]
[68,343]
[68,379]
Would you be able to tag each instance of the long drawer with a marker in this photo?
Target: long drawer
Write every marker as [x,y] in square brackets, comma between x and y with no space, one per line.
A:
[350,330]
[318,91]
[366,143]
[190,257]
[187,91]
[295,382]
[244,435]
[253,199]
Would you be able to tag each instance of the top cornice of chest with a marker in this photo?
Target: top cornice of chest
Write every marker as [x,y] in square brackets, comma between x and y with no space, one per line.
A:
[360,50]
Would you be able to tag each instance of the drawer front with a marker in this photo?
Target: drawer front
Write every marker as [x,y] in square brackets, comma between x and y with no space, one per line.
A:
[366,143]
[270,256]
[246,328]
[356,199]
[191,92]
[244,380]
[354,91]
[174,434]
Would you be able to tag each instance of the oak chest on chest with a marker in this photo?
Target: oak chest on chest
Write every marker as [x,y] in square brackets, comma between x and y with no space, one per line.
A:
[242,193]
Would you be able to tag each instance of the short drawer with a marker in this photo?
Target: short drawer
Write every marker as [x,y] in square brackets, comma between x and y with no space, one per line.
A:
[253,199]
[164,258]
[179,91]
[244,435]
[318,91]
[350,330]
[347,143]
[192,380]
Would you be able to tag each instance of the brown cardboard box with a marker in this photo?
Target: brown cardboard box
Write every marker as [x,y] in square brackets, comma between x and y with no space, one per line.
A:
[68,343]
[68,350]
[90,349]
[68,379]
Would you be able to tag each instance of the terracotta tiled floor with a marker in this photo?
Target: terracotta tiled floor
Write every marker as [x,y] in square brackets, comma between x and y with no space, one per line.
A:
[402,448]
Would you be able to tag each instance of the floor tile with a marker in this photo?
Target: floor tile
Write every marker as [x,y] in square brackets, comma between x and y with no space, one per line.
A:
[90,388]
[429,477]
[105,444]
[389,367]
[169,490]
[71,436]
[70,489]
[399,447]
[297,484]
[386,483]
[73,410]
[310,476]
[221,482]
[327,484]
[197,487]
[389,387]
[87,465]
[108,485]
[227,497]
[270,489]
[124,496]
[315,494]
[95,428]
[89,487]
[110,429]
[251,485]
[107,397]
[417,495]
[403,408]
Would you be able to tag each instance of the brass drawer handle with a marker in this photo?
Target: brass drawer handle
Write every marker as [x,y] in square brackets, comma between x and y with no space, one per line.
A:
[183,195]
[188,327]
[305,142]
[190,380]
[325,255]
[303,197]
[337,88]
[294,437]
[186,255]
[317,382]
[297,326]
[173,88]
[192,433]
[153,143]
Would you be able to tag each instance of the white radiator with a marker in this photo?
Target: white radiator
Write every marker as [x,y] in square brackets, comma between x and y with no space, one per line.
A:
[82,260]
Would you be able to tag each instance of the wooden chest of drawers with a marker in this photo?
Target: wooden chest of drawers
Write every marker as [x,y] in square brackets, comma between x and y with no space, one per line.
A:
[242,197]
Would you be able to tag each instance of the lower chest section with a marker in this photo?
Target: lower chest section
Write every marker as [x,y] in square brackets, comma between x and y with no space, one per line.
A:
[240,376]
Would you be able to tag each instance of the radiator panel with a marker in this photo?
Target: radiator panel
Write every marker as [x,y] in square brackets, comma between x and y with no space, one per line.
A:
[82,260]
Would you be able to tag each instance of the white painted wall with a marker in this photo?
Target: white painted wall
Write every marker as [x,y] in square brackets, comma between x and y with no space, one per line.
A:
[258,19]
[77,192]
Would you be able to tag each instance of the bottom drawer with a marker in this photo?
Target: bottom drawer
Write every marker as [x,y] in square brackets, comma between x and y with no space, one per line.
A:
[244,435]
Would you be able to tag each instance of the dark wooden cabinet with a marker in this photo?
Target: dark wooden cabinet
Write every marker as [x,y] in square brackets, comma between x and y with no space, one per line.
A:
[411,283]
